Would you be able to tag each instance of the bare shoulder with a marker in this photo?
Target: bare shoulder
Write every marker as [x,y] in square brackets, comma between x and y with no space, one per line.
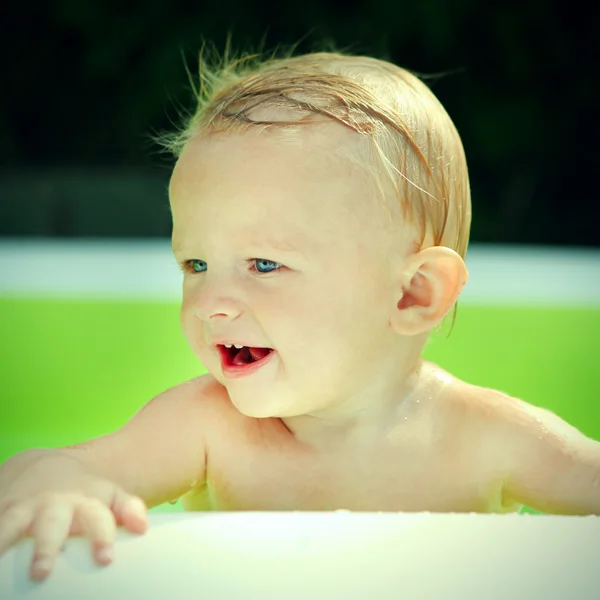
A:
[478,423]
[478,403]
[548,464]
[515,425]
[181,416]
[465,412]
[198,395]
[206,398]
[493,411]
[507,413]
[165,443]
[215,397]
[481,417]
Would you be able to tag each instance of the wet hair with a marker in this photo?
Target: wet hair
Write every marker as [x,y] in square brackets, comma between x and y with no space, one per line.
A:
[413,150]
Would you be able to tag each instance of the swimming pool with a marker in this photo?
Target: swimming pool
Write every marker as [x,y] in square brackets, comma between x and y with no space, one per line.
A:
[91,332]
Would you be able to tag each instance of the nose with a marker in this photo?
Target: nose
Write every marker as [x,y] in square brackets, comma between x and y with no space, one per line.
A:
[214,298]
[210,315]
[209,307]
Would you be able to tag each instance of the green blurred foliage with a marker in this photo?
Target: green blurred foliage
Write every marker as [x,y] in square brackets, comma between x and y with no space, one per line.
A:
[90,81]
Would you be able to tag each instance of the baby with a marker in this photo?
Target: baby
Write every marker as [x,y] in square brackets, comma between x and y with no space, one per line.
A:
[321,215]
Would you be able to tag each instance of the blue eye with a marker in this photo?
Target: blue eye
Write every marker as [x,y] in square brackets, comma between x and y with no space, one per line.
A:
[264,260]
[197,266]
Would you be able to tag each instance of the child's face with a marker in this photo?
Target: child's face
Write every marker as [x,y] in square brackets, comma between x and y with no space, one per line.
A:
[325,311]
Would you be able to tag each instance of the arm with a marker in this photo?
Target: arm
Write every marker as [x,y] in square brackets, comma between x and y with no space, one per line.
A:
[553,467]
[159,454]
[92,487]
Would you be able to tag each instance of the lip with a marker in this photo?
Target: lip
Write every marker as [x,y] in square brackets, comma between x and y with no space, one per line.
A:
[236,371]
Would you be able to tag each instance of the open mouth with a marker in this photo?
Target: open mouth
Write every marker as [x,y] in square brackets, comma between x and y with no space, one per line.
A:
[242,356]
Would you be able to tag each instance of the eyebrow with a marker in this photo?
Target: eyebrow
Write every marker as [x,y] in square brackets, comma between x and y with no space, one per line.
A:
[277,245]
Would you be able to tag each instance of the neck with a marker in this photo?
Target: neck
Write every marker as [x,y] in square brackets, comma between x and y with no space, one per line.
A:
[364,418]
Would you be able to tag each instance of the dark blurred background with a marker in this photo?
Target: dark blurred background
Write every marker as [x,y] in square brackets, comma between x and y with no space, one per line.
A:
[85,84]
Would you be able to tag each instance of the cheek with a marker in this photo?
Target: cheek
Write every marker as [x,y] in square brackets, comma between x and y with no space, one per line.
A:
[184,315]
[189,325]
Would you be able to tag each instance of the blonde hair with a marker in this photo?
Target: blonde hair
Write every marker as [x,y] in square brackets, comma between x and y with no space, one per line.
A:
[413,144]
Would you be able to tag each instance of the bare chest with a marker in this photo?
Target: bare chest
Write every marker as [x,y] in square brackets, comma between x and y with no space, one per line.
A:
[408,476]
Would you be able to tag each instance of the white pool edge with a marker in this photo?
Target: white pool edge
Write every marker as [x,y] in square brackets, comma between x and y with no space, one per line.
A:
[145,270]
[314,556]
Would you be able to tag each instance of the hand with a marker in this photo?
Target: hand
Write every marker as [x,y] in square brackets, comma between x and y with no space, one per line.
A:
[83,505]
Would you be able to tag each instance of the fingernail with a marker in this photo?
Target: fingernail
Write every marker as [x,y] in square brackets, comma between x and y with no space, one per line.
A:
[105,555]
[42,566]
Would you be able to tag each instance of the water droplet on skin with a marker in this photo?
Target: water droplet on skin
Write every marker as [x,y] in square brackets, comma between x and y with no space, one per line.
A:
[173,501]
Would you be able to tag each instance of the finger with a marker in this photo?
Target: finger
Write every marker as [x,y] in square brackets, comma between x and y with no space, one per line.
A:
[5,505]
[97,523]
[14,523]
[131,512]
[50,530]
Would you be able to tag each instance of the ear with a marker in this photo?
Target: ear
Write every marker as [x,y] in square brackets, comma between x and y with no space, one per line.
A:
[431,282]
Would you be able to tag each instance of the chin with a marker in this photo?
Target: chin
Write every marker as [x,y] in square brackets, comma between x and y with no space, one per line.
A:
[254,412]
[263,410]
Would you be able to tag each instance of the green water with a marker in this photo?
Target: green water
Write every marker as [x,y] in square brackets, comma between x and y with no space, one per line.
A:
[72,370]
